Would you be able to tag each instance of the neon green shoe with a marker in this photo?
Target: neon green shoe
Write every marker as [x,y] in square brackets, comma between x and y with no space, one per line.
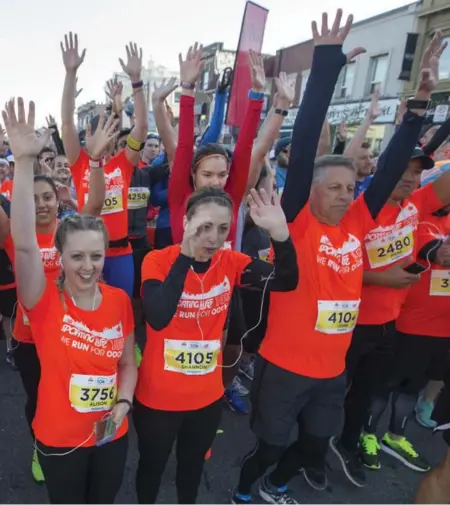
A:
[137,355]
[36,470]
[369,449]
[404,451]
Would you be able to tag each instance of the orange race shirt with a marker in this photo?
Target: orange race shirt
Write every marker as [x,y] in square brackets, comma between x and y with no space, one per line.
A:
[309,329]
[6,188]
[118,172]
[391,241]
[79,352]
[427,305]
[180,369]
[52,268]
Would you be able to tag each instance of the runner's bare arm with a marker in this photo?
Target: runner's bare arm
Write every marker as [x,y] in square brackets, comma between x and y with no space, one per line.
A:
[133,68]
[25,146]
[165,129]
[72,60]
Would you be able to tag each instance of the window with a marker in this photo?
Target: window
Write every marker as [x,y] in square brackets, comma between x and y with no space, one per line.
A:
[344,86]
[378,71]
[444,66]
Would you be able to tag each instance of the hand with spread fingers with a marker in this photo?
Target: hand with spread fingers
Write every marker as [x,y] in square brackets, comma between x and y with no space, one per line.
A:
[114,90]
[161,92]
[257,71]
[24,141]
[105,133]
[71,57]
[268,214]
[336,36]
[133,66]
[191,66]
[429,65]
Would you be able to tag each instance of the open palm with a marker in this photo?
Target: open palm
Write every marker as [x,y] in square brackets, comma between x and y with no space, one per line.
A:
[266,214]
[24,141]
[71,57]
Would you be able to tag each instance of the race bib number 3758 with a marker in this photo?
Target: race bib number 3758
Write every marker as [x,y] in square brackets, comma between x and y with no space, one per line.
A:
[191,357]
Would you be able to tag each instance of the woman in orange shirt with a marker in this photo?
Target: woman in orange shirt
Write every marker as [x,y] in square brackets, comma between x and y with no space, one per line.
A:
[83,334]
[186,293]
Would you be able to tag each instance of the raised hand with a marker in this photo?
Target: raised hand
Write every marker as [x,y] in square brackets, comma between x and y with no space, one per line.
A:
[114,93]
[105,133]
[51,121]
[429,65]
[24,141]
[336,36]
[63,192]
[191,67]
[133,67]
[268,214]
[285,90]
[71,57]
[257,71]
[374,110]
[161,92]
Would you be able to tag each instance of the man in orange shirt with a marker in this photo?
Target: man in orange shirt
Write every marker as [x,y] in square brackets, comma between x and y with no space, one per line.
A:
[300,373]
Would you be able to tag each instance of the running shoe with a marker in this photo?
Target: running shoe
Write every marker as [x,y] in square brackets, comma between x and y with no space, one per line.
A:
[404,451]
[36,470]
[317,479]
[351,463]
[236,403]
[10,360]
[241,498]
[271,494]
[423,412]
[137,355]
[239,388]
[369,450]
[248,369]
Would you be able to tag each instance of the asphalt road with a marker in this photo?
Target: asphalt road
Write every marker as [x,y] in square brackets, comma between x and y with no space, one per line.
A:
[392,484]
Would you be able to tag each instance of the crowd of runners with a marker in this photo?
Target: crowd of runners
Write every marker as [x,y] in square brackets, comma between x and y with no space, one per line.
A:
[320,275]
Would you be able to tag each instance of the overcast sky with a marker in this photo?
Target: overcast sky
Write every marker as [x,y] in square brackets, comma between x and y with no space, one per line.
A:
[31,31]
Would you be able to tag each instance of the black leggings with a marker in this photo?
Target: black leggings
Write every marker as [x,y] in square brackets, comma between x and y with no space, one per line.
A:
[307,451]
[157,430]
[27,362]
[86,475]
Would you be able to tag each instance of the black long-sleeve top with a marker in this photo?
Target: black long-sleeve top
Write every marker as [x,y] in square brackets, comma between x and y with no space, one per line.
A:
[438,138]
[161,298]
[327,63]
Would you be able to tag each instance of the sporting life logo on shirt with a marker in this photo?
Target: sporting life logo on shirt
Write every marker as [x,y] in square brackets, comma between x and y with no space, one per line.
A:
[211,303]
[76,335]
[50,258]
[342,260]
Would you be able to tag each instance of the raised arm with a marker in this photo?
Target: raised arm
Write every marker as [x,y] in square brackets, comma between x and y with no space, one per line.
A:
[25,146]
[271,127]
[339,147]
[133,68]
[240,165]
[72,60]
[324,139]
[328,61]
[394,160]
[438,138]
[167,132]
[212,134]
[96,146]
[179,181]
[354,146]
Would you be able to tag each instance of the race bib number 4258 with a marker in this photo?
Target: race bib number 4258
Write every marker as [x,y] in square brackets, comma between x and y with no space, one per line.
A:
[138,198]
[191,357]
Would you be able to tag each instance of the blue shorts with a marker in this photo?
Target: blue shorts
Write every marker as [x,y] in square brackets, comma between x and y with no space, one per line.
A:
[119,272]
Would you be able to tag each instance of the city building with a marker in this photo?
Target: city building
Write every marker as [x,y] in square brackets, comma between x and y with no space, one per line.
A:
[152,74]
[387,39]
[86,112]
[433,15]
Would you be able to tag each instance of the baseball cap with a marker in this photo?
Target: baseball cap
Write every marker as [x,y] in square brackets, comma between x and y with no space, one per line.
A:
[282,144]
[426,161]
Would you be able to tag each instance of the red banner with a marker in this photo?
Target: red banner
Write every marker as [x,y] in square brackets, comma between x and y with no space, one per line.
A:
[251,37]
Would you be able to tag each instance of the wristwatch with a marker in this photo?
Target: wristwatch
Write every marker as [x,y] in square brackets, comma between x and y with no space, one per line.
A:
[417,104]
[282,112]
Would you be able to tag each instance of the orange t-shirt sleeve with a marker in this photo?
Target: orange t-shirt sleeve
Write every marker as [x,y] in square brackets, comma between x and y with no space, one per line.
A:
[43,310]
[77,169]
[241,261]
[428,200]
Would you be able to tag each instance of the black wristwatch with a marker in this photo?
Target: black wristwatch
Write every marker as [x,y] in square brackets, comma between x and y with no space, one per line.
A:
[417,104]
[123,400]
[282,112]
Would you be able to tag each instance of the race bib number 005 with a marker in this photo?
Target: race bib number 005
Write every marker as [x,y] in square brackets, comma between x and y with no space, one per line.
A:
[191,357]
[138,198]
[92,393]
[397,246]
[440,283]
[336,317]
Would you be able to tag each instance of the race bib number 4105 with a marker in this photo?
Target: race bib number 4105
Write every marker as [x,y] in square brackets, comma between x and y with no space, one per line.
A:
[191,357]
[335,317]
[92,393]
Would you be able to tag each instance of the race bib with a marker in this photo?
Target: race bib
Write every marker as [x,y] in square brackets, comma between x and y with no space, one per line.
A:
[336,317]
[92,393]
[440,283]
[138,198]
[113,201]
[388,250]
[191,357]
